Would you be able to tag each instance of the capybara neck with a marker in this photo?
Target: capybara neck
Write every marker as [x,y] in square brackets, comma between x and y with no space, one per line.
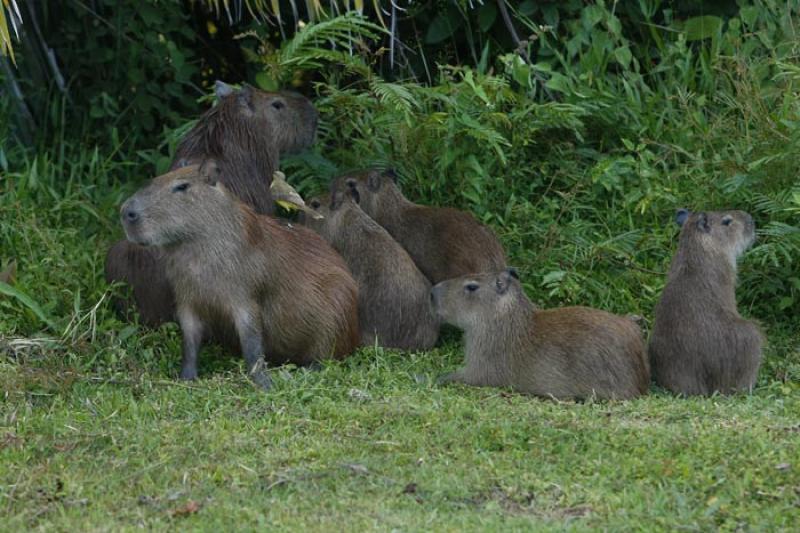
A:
[391,205]
[708,272]
[499,335]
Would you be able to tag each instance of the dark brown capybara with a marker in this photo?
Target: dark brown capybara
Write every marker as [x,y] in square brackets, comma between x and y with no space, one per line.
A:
[245,133]
[393,295]
[444,243]
[280,288]
[700,344]
[571,352]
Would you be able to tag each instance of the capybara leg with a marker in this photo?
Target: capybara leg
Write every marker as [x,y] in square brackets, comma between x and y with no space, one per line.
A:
[192,330]
[250,338]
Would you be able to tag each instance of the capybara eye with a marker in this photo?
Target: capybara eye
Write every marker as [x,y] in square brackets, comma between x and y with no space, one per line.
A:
[277,104]
[726,221]
[180,187]
[315,204]
[471,287]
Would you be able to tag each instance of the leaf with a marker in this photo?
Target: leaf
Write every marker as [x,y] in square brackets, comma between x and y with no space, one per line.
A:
[527,8]
[486,16]
[266,82]
[442,27]
[623,56]
[699,28]
[749,15]
[27,301]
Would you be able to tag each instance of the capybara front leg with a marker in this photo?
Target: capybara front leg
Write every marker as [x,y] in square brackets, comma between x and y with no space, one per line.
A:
[192,331]
[250,338]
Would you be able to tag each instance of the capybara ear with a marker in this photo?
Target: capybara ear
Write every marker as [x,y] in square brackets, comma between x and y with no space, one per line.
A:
[245,96]
[222,89]
[390,173]
[209,170]
[374,180]
[681,215]
[354,194]
[502,282]
[513,272]
[702,223]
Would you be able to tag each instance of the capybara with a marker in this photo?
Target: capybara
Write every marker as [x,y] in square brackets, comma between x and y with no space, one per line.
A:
[393,295]
[571,352]
[245,133]
[444,243]
[700,344]
[283,291]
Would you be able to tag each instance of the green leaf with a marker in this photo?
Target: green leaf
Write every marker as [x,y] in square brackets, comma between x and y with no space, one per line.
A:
[442,28]
[266,82]
[27,301]
[749,15]
[486,16]
[527,8]
[623,56]
[699,28]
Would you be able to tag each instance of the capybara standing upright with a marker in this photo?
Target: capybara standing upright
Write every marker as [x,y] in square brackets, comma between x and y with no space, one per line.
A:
[572,352]
[444,243]
[280,288]
[245,133]
[700,344]
[393,295]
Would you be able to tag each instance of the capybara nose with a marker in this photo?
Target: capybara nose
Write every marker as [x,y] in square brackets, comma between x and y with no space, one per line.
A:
[130,213]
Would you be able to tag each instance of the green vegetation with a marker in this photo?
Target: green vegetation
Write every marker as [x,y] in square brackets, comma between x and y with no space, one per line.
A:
[644,112]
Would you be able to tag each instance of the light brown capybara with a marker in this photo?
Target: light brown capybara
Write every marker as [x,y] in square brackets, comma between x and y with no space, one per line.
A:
[443,242]
[280,288]
[245,133]
[700,344]
[393,295]
[571,352]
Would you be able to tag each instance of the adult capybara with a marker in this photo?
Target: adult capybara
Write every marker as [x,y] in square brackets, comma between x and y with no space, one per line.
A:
[444,243]
[700,344]
[245,133]
[572,352]
[393,295]
[280,288]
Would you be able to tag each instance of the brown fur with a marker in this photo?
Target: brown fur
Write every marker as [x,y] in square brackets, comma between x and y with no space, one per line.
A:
[700,344]
[572,352]
[443,242]
[245,133]
[393,295]
[280,288]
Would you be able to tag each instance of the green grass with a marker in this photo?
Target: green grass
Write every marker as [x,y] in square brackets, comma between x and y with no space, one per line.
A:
[96,433]
[369,444]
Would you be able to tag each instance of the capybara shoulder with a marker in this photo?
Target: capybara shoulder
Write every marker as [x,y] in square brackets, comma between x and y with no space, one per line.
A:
[700,344]
[572,352]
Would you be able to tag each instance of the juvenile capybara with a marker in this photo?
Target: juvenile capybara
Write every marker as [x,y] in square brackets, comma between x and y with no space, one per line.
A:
[443,242]
[393,295]
[280,288]
[571,352]
[700,344]
[245,133]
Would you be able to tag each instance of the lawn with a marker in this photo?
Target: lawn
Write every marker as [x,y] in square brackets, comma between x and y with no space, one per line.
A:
[372,444]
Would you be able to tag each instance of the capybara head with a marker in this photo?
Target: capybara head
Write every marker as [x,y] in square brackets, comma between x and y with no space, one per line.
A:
[175,207]
[470,300]
[368,188]
[289,117]
[334,210]
[726,232]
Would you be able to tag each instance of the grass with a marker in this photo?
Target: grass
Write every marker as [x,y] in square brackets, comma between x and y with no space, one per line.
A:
[96,433]
[369,444]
